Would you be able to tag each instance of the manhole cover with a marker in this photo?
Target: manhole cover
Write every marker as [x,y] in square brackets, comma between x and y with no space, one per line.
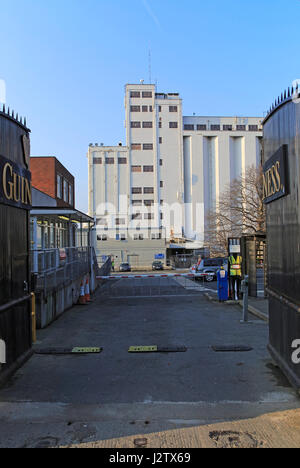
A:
[231,349]
[140,443]
[231,439]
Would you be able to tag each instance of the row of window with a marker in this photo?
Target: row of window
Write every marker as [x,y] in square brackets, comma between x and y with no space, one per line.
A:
[64,190]
[145,146]
[138,94]
[150,108]
[139,168]
[227,128]
[122,237]
[124,161]
[150,124]
[110,161]
[145,190]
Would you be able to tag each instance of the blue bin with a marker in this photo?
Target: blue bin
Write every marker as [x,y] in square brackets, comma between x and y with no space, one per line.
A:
[223,285]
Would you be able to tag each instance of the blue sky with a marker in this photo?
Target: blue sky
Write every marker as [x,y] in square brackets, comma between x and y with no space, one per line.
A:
[65,63]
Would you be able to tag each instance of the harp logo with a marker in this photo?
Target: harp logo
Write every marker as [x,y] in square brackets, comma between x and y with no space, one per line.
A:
[2,352]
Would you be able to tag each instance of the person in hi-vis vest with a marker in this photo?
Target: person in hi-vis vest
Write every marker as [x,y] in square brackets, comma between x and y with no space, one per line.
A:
[235,275]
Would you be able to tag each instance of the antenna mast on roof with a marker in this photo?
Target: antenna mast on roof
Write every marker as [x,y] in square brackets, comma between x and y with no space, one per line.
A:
[150,67]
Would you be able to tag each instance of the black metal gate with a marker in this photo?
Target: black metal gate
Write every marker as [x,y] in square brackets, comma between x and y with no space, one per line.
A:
[15,201]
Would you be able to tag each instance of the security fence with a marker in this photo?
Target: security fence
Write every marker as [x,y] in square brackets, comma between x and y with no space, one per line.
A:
[55,267]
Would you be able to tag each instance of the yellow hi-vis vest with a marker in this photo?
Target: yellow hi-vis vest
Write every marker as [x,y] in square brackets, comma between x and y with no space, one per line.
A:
[235,266]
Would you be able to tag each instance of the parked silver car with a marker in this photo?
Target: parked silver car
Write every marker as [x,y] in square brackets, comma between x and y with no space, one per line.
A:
[209,267]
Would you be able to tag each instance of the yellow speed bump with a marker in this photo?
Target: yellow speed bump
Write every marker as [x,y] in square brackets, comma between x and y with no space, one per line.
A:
[143,349]
[86,350]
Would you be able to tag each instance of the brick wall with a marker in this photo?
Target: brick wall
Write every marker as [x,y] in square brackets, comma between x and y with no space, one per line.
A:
[43,175]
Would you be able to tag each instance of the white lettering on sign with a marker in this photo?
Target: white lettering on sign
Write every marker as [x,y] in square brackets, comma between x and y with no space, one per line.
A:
[296,354]
[2,352]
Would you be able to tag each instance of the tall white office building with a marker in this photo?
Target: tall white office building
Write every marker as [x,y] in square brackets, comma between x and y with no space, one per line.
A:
[171,172]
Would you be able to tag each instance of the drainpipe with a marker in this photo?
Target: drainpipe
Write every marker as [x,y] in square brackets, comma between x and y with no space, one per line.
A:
[35,246]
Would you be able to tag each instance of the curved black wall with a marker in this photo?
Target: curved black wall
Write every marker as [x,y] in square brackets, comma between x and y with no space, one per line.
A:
[15,322]
[282,127]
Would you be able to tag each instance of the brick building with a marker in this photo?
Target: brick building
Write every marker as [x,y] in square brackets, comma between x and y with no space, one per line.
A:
[51,177]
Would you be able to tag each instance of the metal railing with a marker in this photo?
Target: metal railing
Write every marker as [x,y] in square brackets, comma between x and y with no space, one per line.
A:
[55,267]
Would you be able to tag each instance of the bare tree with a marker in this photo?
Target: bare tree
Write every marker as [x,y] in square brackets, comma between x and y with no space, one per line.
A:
[240,210]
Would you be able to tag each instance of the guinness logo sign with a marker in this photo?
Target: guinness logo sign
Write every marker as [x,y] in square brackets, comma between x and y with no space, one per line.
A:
[15,185]
[275,183]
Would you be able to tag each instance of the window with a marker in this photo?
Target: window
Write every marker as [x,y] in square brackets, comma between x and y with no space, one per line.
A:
[148,169]
[173,109]
[66,191]
[159,108]
[120,221]
[101,222]
[173,124]
[147,94]
[150,109]
[97,160]
[148,190]
[135,124]
[136,190]
[135,108]
[123,237]
[160,124]
[147,125]
[145,108]
[160,140]
[241,128]
[136,146]
[71,198]
[189,127]
[148,202]
[148,146]
[136,216]
[122,161]
[253,128]
[137,203]
[102,238]
[161,162]
[227,128]
[161,216]
[109,161]
[136,168]
[135,94]
[161,184]
[59,186]
[149,216]
[215,127]
[201,127]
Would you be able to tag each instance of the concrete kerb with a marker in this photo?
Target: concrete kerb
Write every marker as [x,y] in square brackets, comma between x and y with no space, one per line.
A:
[251,309]
[256,312]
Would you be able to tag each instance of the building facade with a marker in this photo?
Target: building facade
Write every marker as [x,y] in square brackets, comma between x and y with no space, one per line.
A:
[52,178]
[170,173]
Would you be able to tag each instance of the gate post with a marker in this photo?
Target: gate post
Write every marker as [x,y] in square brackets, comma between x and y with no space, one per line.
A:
[2,352]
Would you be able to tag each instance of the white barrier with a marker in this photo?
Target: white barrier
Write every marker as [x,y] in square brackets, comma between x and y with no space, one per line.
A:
[187,275]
